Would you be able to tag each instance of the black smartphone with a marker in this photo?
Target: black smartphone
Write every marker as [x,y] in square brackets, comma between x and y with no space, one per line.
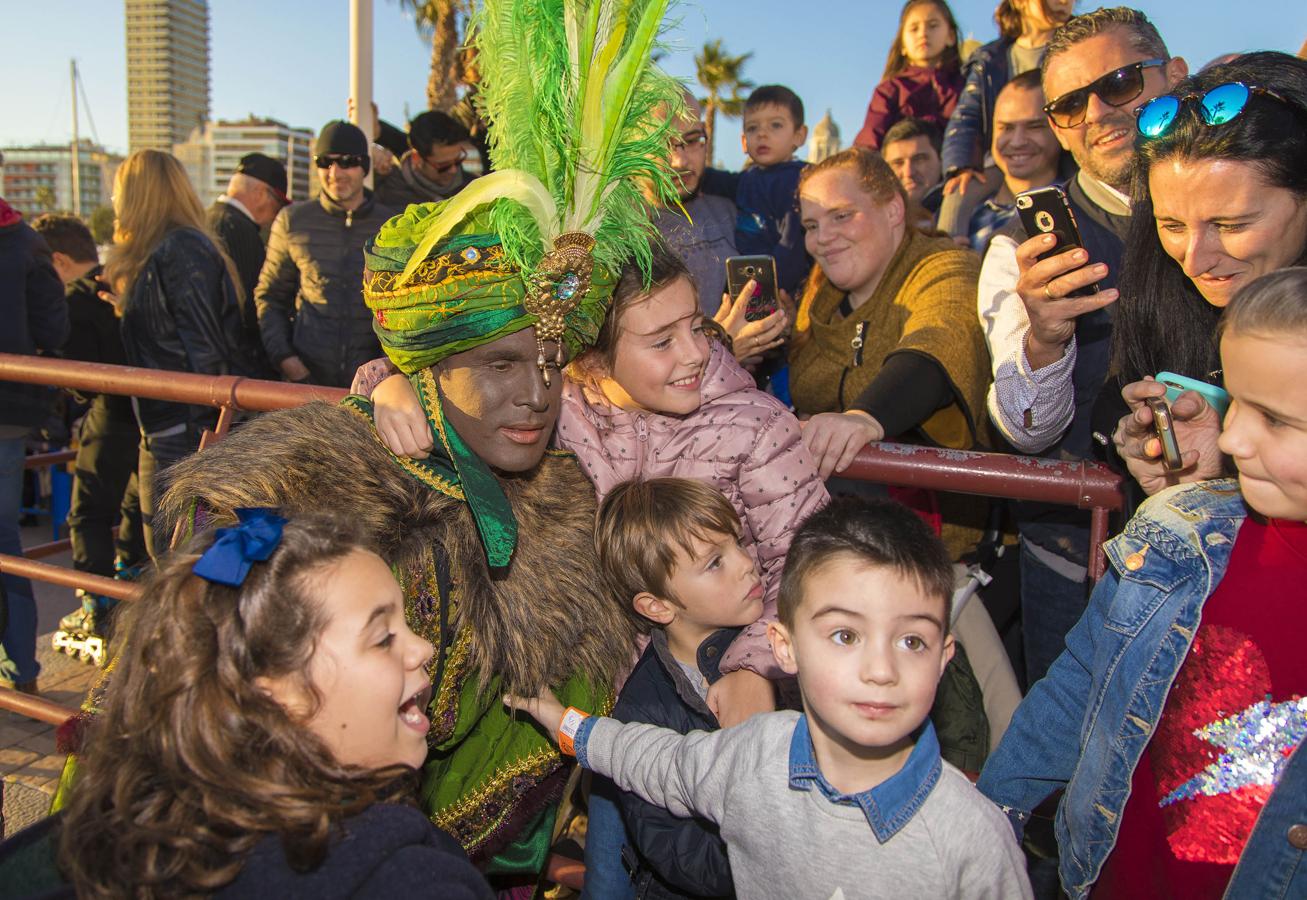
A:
[762,269]
[1047,210]
[1165,428]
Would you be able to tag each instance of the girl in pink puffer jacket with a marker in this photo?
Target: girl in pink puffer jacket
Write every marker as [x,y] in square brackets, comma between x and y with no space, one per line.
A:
[658,396]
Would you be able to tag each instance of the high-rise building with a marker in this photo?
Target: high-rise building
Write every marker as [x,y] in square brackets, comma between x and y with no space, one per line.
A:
[213,151]
[825,140]
[38,178]
[167,71]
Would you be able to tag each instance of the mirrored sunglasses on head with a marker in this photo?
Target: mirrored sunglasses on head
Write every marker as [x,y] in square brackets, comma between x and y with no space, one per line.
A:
[1221,104]
[344,160]
[1116,88]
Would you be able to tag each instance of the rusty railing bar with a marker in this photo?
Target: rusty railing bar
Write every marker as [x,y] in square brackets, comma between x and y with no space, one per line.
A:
[179,387]
[40,551]
[35,707]
[1097,537]
[52,458]
[1084,485]
[22,567]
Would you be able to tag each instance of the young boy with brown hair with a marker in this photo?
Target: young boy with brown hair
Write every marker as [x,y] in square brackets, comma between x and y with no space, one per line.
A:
[670,551]
[767,193]
[850,797]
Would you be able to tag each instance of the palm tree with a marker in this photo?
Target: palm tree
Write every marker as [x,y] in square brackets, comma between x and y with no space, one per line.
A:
[445,21]
[44,198]
[721,75]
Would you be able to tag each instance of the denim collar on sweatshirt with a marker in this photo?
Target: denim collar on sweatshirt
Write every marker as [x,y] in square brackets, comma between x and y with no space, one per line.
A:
[889,805]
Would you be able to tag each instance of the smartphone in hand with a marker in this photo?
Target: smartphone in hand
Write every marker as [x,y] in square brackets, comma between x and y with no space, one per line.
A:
[1048,211]
[1164,425]
[762,269]
[1216,397]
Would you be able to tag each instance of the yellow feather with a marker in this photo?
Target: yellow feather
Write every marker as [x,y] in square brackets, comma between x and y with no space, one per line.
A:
[510,184]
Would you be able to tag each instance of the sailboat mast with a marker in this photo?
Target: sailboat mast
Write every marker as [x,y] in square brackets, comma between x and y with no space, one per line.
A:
[75,155]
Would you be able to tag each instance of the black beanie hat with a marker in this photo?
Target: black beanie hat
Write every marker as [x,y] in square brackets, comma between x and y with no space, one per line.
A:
[343,138]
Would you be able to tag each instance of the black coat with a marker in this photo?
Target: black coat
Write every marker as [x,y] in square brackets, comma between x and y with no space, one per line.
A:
[670,856]
[33,314]
[386,851]
[241,238]
[182,315]
[94,337]
[310,292]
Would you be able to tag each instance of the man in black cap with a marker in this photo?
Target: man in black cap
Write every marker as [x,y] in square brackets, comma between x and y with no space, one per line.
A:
[255,194]
[309,297]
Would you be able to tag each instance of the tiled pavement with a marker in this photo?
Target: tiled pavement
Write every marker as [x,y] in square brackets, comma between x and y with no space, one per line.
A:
[29,765]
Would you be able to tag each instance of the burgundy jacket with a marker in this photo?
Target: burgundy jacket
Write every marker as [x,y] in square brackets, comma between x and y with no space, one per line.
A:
[916,92]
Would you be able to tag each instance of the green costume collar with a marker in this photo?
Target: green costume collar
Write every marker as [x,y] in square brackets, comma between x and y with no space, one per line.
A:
[455,471]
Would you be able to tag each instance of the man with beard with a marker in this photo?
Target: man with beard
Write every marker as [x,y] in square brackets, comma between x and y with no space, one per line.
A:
[705,239]
[1050,350]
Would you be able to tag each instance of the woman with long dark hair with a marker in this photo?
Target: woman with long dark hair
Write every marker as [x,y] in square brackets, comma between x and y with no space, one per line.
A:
[1219,198]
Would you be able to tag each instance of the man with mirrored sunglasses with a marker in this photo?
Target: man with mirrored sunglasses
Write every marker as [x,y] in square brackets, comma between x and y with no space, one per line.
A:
[309,297]
[1051,350]
[432,169]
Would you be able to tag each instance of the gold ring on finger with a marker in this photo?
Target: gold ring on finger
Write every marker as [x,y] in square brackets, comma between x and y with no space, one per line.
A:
[1047,292]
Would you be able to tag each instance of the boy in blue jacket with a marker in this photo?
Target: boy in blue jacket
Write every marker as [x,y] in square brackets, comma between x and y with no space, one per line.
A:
[670,549]
[767,193]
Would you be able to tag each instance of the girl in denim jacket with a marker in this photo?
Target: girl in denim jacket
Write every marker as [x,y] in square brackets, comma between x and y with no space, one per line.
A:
[1175,719]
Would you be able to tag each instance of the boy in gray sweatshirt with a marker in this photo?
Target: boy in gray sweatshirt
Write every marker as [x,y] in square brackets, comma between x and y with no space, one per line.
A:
[849,799]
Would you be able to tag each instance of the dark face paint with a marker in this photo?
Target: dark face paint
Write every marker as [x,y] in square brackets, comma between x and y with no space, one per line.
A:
[497,401]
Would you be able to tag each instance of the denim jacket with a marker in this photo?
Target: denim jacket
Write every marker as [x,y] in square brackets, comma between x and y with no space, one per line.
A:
[1086,724]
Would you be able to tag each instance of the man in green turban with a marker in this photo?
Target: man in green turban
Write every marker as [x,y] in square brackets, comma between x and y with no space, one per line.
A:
[490,536]
[480,300]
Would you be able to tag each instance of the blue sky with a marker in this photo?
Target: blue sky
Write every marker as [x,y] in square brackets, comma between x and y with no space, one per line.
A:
[288,58]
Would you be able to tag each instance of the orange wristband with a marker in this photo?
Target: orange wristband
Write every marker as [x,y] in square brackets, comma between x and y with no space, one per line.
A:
[567,729]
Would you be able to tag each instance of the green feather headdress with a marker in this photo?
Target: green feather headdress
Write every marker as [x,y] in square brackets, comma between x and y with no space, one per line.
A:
[580,120]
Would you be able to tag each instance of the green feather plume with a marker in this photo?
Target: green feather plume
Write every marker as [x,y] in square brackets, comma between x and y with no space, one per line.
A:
[572,97]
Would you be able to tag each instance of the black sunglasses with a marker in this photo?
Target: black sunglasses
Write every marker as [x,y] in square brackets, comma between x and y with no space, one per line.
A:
[1116,88]
[448,166]
[345,161]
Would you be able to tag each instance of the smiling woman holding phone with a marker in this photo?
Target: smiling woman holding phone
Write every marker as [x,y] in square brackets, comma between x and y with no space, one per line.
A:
[1220,198]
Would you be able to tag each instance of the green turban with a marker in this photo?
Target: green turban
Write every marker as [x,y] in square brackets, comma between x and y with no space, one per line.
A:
[464,294]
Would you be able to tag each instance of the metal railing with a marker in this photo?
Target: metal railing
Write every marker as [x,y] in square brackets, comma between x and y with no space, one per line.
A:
[1083,485]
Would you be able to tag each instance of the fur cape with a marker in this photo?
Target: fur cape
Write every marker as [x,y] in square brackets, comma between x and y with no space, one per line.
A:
[546,620]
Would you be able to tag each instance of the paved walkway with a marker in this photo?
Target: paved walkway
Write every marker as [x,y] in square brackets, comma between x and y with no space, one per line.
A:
[29,765]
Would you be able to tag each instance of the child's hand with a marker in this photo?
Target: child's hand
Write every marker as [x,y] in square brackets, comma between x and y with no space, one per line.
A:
[739,695]
[833,439]
[750,340]
[400,420]
[544,708]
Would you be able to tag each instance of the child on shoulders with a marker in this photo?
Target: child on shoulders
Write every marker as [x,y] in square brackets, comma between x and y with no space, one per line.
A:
[923,75]
[767,193]
[850,798]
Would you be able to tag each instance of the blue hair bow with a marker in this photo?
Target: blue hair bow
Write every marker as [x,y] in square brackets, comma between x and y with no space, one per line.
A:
[237,548]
